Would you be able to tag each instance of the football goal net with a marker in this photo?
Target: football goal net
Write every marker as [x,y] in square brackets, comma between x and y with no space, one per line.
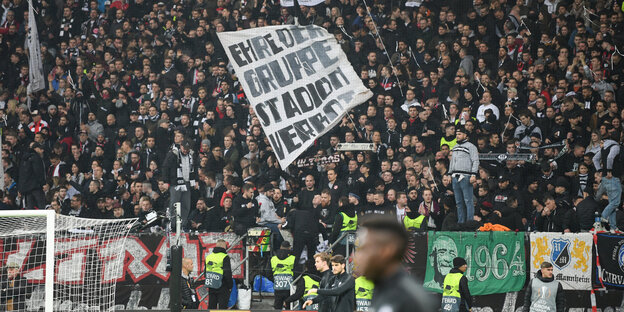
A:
[52,262]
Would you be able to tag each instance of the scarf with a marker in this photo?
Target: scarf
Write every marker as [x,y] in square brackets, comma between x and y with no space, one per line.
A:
[185,163]
[583,178]
[427,210]
[154,118]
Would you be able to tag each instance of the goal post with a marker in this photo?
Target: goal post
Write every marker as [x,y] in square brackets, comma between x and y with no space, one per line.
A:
[60,263]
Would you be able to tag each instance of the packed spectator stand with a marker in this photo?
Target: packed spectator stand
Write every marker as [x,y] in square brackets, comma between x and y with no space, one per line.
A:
[139,94]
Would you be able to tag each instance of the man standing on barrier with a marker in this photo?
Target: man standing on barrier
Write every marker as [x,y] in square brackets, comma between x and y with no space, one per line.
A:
[381,244]
[219,276]
[463,168]
[544,293]
[456,294]
[282,268]
[305,226]
[179,171]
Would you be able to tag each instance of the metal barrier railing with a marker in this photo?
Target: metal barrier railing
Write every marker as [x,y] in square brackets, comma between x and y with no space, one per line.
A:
[349,237]
[230,248]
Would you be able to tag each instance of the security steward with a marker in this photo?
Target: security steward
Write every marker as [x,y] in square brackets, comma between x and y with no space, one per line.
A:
[414,221]
[363,293]
[282,268]
[456,295]
[302,291]
[345,221]
[218,276]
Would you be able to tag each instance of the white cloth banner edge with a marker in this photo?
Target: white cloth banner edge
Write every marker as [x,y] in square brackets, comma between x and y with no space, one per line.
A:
[291,3]
[362,93]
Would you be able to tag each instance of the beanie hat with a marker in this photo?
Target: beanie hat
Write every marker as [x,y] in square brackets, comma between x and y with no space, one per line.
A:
[458,262]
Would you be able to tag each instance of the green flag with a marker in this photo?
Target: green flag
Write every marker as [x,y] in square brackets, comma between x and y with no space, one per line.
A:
[496,260]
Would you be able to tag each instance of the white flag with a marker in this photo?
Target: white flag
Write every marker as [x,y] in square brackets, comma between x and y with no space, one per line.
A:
[413,3]
[298,80]
[290,3]
[570,254]
[35,76]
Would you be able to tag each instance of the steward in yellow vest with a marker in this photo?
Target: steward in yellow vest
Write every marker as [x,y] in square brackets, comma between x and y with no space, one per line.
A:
[346,221]
[455,293]
[449,136]
[414,221]
[363,293]
[282,265]
[218,276]
[302,289]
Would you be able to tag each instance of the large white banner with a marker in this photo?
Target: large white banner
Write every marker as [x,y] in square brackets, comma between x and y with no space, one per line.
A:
[298,80]
[290,3]
[570,254]
[37,82]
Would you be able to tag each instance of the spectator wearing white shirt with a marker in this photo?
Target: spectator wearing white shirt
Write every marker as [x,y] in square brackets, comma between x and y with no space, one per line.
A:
[486,103]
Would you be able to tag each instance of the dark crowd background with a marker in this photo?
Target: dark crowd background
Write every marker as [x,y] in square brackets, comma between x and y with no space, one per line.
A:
[133,85]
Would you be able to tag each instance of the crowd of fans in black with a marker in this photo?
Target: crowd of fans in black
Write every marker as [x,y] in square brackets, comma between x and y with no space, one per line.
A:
[133,88]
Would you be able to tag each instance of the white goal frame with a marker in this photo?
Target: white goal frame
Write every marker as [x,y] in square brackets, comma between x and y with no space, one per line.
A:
[49,259]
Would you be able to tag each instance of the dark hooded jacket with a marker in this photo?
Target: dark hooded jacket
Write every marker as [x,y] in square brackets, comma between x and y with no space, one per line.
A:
[343,288]
[31,173]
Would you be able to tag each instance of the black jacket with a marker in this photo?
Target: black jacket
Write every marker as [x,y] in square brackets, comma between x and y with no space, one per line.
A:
[32,175]
[199,217]
[559,300]
[559,220]
[216,220]
[585,211]
[326,304]
[170,168]
[400,292]
[244,218]
[305,198]
[189,298]
[303,222]
[343,288]
[18,293]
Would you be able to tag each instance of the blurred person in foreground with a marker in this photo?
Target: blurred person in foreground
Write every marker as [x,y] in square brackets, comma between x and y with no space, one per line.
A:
[382,242]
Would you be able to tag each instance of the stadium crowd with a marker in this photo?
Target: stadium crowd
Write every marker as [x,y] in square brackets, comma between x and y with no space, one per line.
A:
[141,108]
